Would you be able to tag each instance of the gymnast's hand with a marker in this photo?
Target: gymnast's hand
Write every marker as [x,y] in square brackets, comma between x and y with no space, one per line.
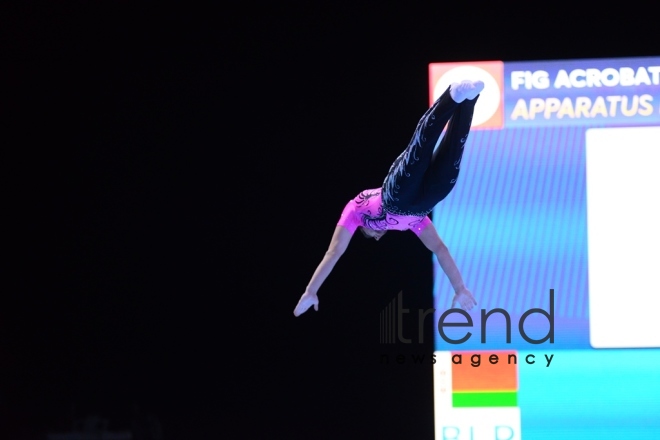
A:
[307,300]
[464,298]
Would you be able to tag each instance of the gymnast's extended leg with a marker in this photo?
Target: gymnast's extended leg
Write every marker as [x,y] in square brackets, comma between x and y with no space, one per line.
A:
[405,180]
[442,174]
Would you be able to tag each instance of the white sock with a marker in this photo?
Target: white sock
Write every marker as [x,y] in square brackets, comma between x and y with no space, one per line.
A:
[460,91]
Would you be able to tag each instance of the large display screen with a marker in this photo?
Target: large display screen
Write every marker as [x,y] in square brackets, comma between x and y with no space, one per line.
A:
[555,225]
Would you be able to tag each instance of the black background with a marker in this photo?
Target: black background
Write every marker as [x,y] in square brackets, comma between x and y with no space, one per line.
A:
[172,177]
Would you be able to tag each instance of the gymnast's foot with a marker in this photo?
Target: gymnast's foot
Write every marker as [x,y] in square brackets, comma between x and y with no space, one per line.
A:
[467,89]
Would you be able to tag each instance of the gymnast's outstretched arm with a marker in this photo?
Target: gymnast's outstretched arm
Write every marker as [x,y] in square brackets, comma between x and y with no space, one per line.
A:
[338,245]
[429,236]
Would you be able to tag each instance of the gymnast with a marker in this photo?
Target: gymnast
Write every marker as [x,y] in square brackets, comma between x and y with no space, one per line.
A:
[418,179]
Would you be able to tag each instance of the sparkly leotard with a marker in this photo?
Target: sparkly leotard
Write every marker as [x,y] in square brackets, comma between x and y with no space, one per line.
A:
[366,210]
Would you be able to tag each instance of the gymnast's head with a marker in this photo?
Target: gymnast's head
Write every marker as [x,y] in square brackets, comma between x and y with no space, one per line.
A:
[371,233]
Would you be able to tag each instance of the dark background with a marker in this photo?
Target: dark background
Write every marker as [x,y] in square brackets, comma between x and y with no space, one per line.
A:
[172,177]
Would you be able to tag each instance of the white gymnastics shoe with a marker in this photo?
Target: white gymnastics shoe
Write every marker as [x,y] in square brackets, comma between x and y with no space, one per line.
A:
[466,89]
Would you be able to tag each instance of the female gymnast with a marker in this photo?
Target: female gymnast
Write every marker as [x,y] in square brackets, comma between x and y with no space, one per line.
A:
[417,180]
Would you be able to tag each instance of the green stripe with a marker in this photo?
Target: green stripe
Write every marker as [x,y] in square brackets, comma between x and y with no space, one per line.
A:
[461,400]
